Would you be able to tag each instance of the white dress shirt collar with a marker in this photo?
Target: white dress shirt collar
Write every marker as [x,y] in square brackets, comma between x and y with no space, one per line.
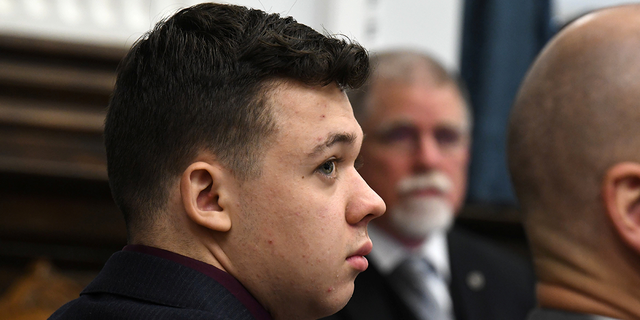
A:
[388,253]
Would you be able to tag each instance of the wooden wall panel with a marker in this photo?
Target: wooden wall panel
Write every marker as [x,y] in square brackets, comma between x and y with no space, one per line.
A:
[55,201]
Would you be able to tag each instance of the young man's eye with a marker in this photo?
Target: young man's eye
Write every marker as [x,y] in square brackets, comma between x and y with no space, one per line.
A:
[328,168]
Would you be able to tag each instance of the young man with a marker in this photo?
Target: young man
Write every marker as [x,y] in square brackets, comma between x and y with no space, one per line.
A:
[416,153]
[231,152]
[574,156]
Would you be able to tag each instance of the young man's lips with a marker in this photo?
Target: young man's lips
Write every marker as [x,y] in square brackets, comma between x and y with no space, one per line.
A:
[358,260]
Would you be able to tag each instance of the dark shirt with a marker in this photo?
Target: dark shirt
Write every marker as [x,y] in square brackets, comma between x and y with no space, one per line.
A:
[228,281]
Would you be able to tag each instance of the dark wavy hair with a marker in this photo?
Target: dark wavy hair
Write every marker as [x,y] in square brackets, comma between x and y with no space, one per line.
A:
[198,81]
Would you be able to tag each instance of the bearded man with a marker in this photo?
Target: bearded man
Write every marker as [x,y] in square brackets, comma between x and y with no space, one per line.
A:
[416,153]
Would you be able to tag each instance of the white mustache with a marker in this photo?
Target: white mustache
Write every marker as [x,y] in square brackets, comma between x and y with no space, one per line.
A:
[431,180]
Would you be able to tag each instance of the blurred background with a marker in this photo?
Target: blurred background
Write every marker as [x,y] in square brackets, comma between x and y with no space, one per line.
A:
[58,224]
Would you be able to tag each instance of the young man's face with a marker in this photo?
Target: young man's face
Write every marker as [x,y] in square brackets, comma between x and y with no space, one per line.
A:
[300,229]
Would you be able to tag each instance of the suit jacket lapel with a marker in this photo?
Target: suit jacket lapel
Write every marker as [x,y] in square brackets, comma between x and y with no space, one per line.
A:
[456,286]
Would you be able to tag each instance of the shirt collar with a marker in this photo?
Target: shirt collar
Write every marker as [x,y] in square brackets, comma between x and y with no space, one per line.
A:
[388,253]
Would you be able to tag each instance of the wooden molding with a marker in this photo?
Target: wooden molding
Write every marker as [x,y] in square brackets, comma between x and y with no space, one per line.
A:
[53,97]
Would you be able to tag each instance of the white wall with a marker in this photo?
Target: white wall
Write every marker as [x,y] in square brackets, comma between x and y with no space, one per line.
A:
[107,22]
[431,25]
[566,10]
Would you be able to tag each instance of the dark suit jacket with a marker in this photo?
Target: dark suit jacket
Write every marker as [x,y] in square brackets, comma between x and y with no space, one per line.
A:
[551,314]
[134,285]
[486,284]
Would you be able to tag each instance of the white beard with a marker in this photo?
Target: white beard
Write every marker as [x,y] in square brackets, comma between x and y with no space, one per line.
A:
[419,217]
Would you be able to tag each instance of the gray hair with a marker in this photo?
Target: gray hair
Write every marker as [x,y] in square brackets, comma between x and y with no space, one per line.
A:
[405,66]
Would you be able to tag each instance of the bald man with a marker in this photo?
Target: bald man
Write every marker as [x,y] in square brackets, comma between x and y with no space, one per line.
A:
[574,155]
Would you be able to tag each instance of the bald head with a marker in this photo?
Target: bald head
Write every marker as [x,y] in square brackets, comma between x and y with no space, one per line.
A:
[574,157]
[577,112]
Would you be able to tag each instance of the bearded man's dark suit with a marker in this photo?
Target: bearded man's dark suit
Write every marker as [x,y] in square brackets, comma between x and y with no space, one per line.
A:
[486,284]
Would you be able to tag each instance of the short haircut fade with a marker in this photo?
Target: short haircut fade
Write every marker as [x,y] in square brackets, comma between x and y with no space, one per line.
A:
[198,81]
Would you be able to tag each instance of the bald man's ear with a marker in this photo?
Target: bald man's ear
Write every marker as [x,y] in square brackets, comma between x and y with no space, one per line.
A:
[621,193]
[204,197]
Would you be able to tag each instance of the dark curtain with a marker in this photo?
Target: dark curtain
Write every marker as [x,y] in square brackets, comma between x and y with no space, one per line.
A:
[500,40]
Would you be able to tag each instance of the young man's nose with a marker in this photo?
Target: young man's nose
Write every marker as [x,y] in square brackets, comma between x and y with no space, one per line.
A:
[365,204]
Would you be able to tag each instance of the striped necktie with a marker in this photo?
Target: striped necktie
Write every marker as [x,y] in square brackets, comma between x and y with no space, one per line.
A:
[411,280]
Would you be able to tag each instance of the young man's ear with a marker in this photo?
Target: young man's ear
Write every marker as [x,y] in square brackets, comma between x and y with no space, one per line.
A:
[621,193]
[203,196]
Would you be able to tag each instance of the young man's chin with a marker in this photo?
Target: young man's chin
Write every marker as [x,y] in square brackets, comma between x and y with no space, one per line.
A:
[336,300]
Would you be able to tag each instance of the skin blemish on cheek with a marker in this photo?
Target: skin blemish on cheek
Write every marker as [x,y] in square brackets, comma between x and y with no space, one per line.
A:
[270,241]
[323,116]
[330,289]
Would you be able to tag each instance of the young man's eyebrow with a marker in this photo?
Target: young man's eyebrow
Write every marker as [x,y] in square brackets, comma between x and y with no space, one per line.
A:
[338,137]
